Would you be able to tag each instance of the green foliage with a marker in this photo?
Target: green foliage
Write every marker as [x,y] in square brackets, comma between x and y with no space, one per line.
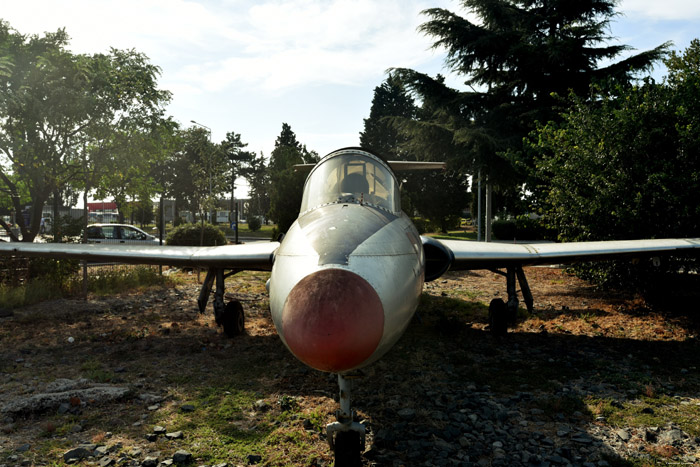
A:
[254,223]
[504,229]
[439,196]
[191,235]
[391,99]
[67,228]
[258,177]
[115,280]
[423,225]
[626,166]
[198,171]
[522,228]
[57,271]
[33,291]
[286,188]
[71,120]
[517,57]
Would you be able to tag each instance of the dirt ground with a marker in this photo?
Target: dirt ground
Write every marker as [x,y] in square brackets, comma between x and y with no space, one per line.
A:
[248,401]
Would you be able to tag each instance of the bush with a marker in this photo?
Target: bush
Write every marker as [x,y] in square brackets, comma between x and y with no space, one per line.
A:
[178,221]
[254,223]
[191,234]
[57,271]
[504,229]
[522,228]
[423,225]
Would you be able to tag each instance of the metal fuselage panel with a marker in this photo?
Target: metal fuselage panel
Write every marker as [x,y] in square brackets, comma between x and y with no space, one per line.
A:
[384,249]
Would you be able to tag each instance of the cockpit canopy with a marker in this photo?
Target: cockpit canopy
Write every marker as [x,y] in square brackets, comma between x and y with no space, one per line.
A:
[351,176]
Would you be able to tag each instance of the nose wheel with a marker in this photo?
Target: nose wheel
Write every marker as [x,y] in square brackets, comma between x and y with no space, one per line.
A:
[346,437]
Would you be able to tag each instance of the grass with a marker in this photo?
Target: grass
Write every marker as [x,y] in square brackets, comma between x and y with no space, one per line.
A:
[107,280]
[120,279]
[455,235]
[225,426]
[647,412]
[34,291]
[94,370]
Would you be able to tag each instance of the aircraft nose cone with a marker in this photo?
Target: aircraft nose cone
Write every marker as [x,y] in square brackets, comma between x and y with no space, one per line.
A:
[333,320]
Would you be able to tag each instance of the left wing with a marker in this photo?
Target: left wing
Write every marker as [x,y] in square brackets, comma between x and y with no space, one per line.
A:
[445,255]
[256,255]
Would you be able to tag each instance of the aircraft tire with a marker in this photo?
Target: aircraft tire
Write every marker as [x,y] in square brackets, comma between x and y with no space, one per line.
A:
[347,449]
[233,319]
[498,317]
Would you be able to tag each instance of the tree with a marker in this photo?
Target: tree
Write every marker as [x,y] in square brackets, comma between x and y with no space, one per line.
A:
[519,54]
[258,176]
[392,108]
[626,165]
[199,171]
[439,197]
[57,107]
[238,160]
[391,99]
[287,184]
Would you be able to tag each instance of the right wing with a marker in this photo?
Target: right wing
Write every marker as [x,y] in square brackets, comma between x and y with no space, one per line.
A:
[444,255]
[251,256]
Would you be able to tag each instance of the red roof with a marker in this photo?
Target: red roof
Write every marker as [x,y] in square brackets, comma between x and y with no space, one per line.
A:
[102,206]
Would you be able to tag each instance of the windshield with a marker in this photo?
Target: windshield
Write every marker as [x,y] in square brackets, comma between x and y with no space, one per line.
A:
[351,177]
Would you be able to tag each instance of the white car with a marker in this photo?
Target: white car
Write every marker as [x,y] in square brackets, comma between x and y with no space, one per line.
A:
[119,233]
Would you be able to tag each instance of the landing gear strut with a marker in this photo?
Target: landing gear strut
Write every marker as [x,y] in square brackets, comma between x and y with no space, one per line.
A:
[502,314]
[229,316]
[346,437]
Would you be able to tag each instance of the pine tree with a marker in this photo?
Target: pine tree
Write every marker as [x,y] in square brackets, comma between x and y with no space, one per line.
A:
[391,99]
[519,54]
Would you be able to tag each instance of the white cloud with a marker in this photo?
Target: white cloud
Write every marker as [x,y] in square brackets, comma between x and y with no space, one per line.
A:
[656,10]
[273,45]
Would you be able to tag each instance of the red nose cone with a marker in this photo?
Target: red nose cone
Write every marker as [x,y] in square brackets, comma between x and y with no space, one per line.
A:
[333,320]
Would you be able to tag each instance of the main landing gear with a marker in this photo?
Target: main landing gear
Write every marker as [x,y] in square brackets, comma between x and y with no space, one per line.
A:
[502,314]
[229,316]
[346,437]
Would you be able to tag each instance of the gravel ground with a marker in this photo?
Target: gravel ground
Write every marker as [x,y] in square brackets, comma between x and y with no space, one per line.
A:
[589,379]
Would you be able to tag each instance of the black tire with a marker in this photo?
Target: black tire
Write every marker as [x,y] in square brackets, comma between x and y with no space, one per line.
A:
[498,317]
[233,319]
[347,449]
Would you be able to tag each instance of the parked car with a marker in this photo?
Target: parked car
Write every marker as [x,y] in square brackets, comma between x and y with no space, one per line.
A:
[119,233]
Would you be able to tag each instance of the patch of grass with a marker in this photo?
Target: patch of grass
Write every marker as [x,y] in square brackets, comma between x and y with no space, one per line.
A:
[224,427]
[566,405]
[105,282]
[124,278]
[648,411]
[34,291]
[94,371]
[456,235]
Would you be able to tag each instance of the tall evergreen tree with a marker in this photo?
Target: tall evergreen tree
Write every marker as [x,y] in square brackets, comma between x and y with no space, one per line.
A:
[286,184]
[515,58]
[391,99]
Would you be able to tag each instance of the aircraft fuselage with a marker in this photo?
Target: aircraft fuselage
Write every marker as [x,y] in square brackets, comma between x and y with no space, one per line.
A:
[348,275]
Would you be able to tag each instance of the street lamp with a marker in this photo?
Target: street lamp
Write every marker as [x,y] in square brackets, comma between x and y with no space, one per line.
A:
[211,218]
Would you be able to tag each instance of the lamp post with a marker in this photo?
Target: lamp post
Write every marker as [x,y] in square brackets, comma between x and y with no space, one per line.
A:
[211,217]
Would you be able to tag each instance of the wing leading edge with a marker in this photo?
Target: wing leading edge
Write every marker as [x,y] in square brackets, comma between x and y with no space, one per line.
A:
[480,255]
[252,256]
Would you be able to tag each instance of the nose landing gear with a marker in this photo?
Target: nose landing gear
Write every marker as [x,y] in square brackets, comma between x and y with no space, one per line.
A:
[346,437]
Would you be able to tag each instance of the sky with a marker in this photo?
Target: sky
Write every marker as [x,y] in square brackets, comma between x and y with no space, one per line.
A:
[248,66]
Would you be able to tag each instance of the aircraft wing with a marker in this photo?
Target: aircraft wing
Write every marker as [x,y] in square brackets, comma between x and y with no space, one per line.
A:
[481,255]
[255,255]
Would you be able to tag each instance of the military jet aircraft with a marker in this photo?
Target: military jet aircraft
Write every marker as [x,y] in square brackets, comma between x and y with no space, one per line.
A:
[346,278]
